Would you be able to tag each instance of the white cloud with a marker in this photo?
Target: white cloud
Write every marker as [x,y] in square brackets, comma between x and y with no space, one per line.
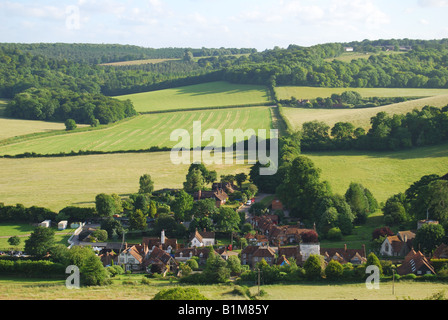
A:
[433,3]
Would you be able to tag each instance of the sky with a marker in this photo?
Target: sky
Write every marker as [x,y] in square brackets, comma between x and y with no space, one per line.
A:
[260,24]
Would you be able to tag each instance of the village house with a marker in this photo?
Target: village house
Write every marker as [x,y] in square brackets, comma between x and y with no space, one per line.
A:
[159,261]
[108,257]
[276,205]
[441,252]
[397,245]
[345,255]
[163,243]
[416,263]
[185,254]
[226,254]
[202,238]
[219,195]
[256,239]
[290,253]
[251,255]
[278,235]
[421,223]
[132,257]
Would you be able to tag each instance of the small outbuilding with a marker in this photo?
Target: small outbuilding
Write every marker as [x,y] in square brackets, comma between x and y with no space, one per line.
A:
[62,225]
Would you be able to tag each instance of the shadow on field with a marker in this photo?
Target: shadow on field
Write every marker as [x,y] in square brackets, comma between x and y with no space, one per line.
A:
[436,151]
[213,88]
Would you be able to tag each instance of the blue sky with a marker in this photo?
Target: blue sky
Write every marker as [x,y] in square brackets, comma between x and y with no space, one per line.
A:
[260,24]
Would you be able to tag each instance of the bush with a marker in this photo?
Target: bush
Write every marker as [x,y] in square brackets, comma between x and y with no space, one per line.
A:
[410,276]
[193,264]
[146,281]
[179,294]
[334,270]
[429,277]
[334,234]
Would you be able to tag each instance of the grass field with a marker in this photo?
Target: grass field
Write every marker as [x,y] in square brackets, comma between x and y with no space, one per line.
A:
[213,94]
[59,182]
[146,131]
[359,117]
[287,92]
[383,173]
[41,289]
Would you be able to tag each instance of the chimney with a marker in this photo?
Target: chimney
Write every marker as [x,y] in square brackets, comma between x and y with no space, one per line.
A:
[162,237]
[345,247]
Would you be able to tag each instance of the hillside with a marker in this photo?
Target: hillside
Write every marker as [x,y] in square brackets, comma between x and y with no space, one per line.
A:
[145,131]
[212,94]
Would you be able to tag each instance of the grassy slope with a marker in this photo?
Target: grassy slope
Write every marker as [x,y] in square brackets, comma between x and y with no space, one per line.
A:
[146,131]
[384,173]
[359,117]
[204,95]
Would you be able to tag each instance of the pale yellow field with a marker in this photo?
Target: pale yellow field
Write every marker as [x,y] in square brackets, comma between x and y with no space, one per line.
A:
[59,182]
[136,62]
[359,117]
[11,127]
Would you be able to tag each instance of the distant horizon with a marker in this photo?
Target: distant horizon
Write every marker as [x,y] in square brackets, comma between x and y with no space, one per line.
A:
[216,47]
[259,24]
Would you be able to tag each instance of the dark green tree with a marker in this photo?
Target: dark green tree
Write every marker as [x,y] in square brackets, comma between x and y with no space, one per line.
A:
[146,184]
[40,242]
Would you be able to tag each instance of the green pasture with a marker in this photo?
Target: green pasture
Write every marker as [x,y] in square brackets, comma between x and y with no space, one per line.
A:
[14,288]
[383,173]
[146,131]
[359,117]
[286,92]
[206,95]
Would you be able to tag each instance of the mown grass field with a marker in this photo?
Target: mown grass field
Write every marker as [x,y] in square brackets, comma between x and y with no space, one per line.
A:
[213,94]
[359,117]
[287,92]
[349,56]
[41,289]
[383,173]
[145,131]
[58,182]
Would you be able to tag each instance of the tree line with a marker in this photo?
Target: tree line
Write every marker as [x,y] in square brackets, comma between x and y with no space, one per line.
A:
[417,128]
[106,53]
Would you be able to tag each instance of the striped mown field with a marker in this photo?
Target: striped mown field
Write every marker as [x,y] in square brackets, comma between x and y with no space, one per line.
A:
[145,131]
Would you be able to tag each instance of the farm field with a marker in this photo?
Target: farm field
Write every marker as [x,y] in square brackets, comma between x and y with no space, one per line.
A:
[145,131]
[59,182]
[359,117]
[45,289]
[136,62]
[349,56]
[286,92]
[213,94]
[383,173]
